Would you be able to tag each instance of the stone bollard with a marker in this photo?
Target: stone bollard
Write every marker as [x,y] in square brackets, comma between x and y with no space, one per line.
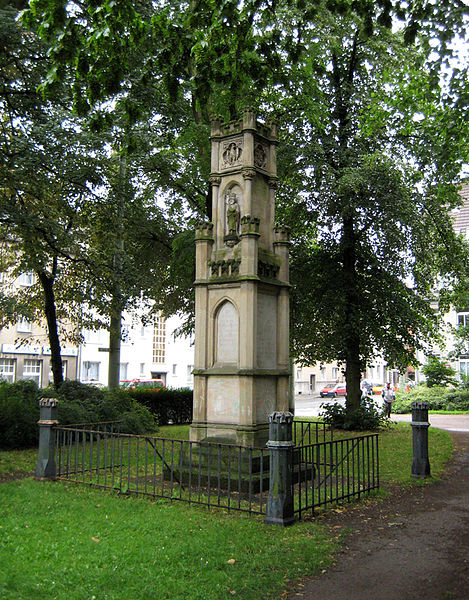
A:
[46,467]
[279,509]
[420,425]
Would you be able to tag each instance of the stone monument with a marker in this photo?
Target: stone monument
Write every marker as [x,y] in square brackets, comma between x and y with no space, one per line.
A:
[241,365]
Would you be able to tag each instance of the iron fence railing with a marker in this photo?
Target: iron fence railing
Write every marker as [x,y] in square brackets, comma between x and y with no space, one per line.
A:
[334,471]
[215,475]
[306,433]
[324,470]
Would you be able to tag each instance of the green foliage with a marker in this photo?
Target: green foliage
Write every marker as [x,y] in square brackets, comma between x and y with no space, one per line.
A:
[437,398]
[367,417]
[438,373]
[168,405]
[19,414]
[78,403]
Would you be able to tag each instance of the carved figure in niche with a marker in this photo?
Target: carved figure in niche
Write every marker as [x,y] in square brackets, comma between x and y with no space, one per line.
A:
[232,154]
[232,212]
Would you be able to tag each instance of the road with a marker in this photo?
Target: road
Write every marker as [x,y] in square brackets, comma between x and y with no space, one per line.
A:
[309,406]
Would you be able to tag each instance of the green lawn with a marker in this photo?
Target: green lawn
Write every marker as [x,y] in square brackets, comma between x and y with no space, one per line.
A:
[65,541]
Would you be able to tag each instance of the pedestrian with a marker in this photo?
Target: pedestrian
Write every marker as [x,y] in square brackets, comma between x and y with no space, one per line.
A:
[388,395]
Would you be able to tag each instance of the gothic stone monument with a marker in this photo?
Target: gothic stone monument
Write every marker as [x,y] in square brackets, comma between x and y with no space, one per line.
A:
[241,370]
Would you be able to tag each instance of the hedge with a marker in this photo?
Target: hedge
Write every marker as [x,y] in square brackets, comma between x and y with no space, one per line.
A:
[78,403]
[169,406]
[437,398]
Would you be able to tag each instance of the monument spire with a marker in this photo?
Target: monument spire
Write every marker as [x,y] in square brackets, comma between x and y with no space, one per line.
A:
[241,370]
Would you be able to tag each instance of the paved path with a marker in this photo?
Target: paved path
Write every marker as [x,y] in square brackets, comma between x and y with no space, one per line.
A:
[449,422]
[413,545]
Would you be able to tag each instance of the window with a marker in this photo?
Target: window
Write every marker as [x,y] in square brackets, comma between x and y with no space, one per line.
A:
[142,369]
[189,372]
[7,369]
[335,372]
[298,374]
[26,279]
[142,331]
[91,336]
[159,340]
[90,371]
[175,368]
[32,370]
[123,371]
[463,319]
[23,326]
[464,367]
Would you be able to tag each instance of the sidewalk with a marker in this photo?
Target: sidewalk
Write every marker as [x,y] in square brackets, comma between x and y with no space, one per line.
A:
[449,422]
[413,545]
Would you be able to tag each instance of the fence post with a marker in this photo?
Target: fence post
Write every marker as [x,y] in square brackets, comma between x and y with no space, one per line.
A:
[279,508]
[46,467]
[420,425]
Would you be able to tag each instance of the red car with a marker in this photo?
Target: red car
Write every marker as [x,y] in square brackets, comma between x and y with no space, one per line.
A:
[333,390]
[149,384]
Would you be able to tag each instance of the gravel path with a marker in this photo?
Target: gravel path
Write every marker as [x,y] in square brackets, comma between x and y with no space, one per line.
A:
[414,545]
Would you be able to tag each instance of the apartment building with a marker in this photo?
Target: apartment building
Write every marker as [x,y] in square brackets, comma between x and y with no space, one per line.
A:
[24,346]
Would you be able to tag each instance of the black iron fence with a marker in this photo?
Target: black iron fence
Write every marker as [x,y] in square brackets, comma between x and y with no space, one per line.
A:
[216,475]
[302,468]
[334,471]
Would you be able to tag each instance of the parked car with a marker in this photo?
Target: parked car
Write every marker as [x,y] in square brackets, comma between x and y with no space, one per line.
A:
[378,388]
[334,390]
[149,384]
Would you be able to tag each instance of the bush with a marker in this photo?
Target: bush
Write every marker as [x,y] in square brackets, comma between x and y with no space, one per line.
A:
[170,406]
[78,403]
[19,414]
[438,373]
[437,398]
[367,417]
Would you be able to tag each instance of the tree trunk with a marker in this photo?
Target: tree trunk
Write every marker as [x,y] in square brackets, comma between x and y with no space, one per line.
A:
[351,311]
[47,283]
[115,328]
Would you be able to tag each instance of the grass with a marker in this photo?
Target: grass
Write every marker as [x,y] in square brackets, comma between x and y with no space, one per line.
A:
[80,543]
[77,542]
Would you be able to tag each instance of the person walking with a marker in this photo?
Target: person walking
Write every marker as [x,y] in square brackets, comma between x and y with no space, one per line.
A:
[388,395]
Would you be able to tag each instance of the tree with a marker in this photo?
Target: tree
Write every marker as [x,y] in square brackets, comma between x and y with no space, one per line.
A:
[372,138]
[378,140]
[66,208]
[437,372]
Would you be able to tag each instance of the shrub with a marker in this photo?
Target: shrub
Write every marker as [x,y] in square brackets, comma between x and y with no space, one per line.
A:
[437,398]
[438,373]
[19,414]
[367,417]
[170,406]
[78,403]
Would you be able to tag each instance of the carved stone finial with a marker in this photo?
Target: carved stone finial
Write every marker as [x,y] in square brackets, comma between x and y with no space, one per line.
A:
[282,234]
[250,225]
[48,402]
[204,231]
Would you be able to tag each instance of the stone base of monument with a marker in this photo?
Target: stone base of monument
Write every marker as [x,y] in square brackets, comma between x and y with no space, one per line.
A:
[233,469]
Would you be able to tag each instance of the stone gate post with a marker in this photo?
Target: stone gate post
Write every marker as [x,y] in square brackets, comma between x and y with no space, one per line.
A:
[420,425]
[280,507]
[46,467]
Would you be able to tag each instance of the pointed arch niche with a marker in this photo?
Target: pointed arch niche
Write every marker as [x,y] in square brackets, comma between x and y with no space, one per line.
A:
[226,334]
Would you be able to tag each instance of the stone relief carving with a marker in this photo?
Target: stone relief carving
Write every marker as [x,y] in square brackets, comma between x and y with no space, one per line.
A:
[260,156]
[232,151]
